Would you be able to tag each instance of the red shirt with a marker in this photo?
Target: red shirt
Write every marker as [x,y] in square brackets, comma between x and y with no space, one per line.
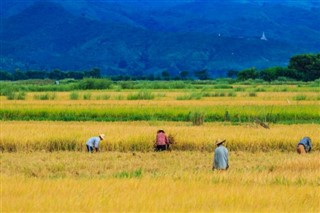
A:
[161,139]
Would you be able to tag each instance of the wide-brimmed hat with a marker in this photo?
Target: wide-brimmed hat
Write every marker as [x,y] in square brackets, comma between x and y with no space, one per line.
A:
[102,136]
[220,141]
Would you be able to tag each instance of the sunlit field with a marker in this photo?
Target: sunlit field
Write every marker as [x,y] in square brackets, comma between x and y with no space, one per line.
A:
[45,166]
[169,181]
[139,136]
[237,103]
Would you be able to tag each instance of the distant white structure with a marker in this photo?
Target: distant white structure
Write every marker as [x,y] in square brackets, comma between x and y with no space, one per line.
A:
[263,37]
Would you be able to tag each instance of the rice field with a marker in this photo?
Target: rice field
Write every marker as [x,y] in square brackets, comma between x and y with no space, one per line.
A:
[273,107]
[159,182]
[139,136]
[45,166]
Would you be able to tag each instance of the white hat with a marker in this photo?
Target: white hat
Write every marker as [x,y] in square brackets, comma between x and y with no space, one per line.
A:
[102,136]
[220,141]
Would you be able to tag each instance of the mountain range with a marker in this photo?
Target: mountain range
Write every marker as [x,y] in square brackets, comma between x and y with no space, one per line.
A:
[147,37]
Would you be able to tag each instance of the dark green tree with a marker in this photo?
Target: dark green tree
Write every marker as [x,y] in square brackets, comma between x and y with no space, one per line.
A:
[202,74]
[273,73]
[57,74]
[306,64]
[289,73]
[93,73]
[5,76]
[35,74]
[19,75]
[247,74]
[232,73]
[150,77]
[75,75]
[269,74]
[184,75]
[165,75]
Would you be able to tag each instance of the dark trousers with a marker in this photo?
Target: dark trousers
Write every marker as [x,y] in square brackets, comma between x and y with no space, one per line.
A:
[161,148]
[89,148]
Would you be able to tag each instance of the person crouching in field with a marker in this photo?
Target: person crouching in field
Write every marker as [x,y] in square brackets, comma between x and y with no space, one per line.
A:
[304,145]
[93,143]
[162,141]
[220,160]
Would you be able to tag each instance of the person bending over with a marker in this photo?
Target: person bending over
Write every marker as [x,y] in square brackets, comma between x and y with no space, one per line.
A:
[93,143]
[304,145]
[162,141]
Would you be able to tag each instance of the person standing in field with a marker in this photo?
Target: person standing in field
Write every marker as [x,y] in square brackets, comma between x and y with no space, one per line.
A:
[162,141]
[93,143]
[304,145]
[220,160]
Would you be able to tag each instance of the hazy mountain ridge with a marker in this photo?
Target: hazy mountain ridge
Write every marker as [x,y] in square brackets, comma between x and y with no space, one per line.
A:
[121,39]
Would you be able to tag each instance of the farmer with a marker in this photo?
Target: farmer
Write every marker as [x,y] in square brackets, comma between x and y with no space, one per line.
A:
[162,141]
[220,160]
[93,142]
[304,145]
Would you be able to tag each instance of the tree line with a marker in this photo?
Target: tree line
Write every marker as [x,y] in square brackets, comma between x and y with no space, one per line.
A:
[304,67]
[55,74]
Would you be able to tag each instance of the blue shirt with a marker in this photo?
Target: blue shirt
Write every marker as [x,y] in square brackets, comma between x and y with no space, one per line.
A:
[93,142]
[306,142]
[220,160]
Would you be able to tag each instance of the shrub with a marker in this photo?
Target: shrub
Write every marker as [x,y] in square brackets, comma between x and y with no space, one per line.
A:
[222,94]
[197,118]
[315,83]
[141,95]
[252,94]
[259,90]
[196,96]
[87,96]
[10,95]
[300,97]
[192,96]
[103,97]
[45,96]
[21,96]
[218,94]
[162,85]
[126,84]
[74,96]
[7,89]
[239,89]
[160,95]
[232,94]
[222,86]
[119,97]
[91,83]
